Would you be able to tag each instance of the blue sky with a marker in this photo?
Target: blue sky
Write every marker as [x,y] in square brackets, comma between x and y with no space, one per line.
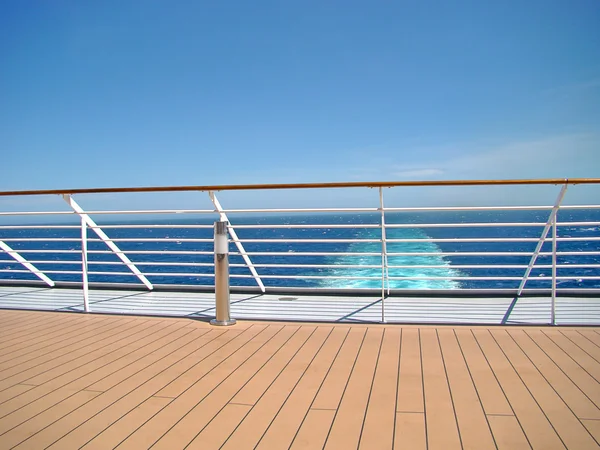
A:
[142,93]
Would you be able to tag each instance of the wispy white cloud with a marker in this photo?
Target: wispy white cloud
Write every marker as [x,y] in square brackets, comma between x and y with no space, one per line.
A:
[574,155]
[566,155]
[570,155]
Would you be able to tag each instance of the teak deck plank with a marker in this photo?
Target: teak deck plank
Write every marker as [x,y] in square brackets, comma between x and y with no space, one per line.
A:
[410,431]
[249,432]
[91,381]
[570,430]
[347,426]
[472,422]
[410,397]
[283,428]
[378,427]
[440,417]
[531,417]
[584,381]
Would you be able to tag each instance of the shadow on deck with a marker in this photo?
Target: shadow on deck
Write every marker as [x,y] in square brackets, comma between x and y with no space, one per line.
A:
[351,309]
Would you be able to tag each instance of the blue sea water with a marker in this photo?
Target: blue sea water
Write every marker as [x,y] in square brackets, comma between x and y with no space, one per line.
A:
[288,255]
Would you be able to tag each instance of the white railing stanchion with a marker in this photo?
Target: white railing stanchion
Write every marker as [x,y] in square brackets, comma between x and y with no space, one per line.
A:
[84,266]
[222,297]
[110,244]
[384,260]
[538,249]
[234,237]
[554,248]
[17,257]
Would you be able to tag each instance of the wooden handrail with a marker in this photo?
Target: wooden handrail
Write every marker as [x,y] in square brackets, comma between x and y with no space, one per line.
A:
[351,184]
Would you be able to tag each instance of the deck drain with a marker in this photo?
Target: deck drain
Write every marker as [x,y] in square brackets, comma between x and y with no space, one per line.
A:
[287,299]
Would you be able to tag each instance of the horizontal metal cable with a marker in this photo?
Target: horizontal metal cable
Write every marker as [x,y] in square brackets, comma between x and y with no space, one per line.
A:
[464,225]
[45,227]
[304,226]
[151,226]
[153,240]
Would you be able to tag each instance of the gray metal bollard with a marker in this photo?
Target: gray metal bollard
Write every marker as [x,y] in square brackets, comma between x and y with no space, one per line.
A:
[222,276]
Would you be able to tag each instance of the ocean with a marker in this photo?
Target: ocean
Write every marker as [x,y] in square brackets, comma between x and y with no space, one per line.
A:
[433,265]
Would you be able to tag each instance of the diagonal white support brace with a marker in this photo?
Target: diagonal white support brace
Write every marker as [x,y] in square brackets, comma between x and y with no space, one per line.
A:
[102,235]
[17,257]
[538,248]
[236,241]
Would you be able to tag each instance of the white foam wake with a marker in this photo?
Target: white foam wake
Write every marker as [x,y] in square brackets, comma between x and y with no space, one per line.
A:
[409,260]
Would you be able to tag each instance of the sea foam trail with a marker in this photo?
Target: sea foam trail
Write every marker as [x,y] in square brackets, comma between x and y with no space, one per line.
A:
[392,247]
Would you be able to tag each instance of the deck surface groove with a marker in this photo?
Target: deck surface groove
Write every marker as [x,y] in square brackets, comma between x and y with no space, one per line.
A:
[98,381]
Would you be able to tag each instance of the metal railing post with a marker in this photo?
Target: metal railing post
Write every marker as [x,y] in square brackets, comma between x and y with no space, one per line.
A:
[540,243]
[222,300]
[554,245]
[223,217]
[384,261]
[84,266]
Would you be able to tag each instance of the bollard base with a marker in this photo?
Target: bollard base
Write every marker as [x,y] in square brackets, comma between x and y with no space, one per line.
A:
[223,323]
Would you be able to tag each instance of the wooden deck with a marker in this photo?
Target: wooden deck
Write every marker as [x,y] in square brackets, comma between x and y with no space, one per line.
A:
[71,380]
